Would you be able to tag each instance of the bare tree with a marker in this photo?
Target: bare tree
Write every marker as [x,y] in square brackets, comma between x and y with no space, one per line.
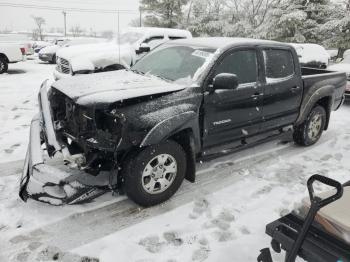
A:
[135,22]
[76,30]
[39,22]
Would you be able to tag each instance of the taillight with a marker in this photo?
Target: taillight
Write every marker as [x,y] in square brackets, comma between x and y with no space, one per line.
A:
[23,50]
[347,87]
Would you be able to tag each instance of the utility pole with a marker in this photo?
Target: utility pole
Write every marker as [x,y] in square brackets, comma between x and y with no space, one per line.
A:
[65,22]
[140,10]
[118,36]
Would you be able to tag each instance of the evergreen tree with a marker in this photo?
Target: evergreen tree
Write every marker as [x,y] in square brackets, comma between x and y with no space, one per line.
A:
[163,13]
[336,32]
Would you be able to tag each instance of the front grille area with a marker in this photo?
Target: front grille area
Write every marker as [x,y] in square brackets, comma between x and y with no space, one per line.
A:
[85,126]
[63,65]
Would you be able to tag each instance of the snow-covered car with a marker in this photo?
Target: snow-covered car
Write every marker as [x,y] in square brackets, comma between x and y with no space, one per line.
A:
[38,45]
[119,53]
[346,53]
[48,53]
[312,55]
[344,66]
[10,53]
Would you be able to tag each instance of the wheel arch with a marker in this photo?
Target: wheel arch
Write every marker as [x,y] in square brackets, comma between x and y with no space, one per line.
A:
[183,129]
[324,97]
[326,103]
[2,55]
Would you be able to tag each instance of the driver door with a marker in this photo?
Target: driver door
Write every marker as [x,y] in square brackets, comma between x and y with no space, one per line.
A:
[233,114]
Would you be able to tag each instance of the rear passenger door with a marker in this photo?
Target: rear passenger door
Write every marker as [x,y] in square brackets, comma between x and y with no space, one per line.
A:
[282,88]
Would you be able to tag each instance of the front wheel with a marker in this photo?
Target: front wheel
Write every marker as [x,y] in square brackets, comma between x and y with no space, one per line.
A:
[3,65]
[310,131]
[154,174]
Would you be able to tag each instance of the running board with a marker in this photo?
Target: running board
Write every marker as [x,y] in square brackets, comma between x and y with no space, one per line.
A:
[284,134]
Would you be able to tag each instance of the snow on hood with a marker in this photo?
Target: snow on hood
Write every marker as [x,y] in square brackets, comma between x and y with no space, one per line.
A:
[110,87]
[51,49]
[341,67]
[97,56]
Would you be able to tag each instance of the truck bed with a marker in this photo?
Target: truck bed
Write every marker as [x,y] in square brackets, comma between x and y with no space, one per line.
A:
[314,78]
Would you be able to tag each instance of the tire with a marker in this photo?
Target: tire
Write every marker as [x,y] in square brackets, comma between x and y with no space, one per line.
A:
[310,131]
[144,173]
[53,60]
[3,65]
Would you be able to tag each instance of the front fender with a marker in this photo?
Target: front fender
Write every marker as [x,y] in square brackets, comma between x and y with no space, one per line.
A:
[170,126]
[312,97]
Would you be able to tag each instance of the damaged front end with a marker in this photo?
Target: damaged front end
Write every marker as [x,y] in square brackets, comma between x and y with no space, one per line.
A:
[56,138]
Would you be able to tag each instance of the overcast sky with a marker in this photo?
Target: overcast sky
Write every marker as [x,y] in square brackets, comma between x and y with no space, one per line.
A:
[19,18]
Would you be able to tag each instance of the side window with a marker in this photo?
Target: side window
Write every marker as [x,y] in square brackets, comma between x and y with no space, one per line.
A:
[278,63]
[242,63]
[154,41]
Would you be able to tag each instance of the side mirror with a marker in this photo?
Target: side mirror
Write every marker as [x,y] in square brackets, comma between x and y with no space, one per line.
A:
[225,81]
[144,48]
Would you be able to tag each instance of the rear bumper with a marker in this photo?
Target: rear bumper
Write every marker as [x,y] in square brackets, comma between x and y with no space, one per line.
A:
[44,181]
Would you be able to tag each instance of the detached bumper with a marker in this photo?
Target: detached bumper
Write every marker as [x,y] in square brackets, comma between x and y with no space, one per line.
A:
[53,182]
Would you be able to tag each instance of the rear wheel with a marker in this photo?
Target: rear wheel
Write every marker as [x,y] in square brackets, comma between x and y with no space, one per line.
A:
[3,65]
[310,131]
[154,174]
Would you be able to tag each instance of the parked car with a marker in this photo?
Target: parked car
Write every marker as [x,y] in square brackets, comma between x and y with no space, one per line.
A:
[38,45]
[10,53]
[186,100]
[117,54]
[48,53]
[344,66]
[28,47]
[312,55]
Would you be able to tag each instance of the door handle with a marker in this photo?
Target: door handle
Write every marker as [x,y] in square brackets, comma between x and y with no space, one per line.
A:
[295,88]
[256,95]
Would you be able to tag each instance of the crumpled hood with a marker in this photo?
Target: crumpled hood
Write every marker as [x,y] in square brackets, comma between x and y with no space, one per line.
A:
[110,87]
[51,49]
[97,56]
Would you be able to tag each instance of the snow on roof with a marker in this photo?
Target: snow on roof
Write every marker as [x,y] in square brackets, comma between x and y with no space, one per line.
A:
[160,30]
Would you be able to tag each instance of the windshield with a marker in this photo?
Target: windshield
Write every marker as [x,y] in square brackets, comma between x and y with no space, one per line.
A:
[174,62]
[129,38]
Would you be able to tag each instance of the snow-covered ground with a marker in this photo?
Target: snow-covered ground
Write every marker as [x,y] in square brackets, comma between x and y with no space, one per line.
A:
[221,217]
[18,103]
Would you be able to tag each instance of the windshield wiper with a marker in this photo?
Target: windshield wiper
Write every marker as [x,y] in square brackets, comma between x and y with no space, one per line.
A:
[164,78]
[137,71]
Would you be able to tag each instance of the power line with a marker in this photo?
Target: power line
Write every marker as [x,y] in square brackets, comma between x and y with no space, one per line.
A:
[70,9]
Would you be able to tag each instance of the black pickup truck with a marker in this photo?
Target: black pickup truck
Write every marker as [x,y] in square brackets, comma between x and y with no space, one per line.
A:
[187,99]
